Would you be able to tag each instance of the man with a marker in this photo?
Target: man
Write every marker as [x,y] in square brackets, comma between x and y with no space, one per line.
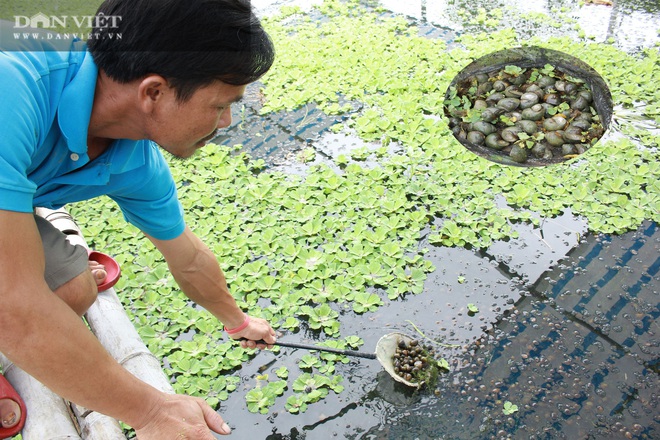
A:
[76,125]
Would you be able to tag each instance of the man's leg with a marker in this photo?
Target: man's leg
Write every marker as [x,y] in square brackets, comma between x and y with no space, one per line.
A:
[68,273]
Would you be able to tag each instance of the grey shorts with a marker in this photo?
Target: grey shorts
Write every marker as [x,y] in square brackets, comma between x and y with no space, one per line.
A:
[64,261]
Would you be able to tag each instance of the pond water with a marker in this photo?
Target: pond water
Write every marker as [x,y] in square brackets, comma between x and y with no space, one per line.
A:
[567,322]
[632,24]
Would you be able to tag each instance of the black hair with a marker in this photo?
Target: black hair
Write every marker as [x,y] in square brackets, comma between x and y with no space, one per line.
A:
[191,43]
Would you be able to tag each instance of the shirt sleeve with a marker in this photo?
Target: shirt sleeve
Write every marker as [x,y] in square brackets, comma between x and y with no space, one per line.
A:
[148,198]
[22,117]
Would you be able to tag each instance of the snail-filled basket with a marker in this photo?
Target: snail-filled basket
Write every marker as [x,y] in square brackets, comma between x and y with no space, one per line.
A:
[406,360]
[528,106]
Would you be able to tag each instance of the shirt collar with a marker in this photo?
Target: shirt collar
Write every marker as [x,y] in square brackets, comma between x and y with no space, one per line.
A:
[126,155]
[75,107]
[75,110]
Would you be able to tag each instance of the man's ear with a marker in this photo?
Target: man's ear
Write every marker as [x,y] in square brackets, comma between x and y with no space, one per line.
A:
[151,91]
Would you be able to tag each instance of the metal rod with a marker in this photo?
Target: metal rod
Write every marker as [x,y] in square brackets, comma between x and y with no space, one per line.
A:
[316,348]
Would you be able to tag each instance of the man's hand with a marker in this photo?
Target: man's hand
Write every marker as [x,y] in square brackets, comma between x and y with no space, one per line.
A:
[257,329]
[180,417]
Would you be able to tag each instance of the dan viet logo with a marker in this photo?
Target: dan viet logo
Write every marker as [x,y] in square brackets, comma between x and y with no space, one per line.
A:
[102,24]
[53,21]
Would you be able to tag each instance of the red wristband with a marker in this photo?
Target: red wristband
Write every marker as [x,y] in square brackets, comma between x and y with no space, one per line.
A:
[240,327]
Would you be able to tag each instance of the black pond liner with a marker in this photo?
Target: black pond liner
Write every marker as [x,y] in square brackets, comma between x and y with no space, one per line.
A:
[529,57]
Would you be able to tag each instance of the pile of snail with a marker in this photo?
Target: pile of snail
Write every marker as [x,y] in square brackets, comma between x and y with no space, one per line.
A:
[533,114]
[413,362]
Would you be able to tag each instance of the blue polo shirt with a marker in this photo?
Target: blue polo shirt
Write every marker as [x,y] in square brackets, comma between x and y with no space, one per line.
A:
[47,99]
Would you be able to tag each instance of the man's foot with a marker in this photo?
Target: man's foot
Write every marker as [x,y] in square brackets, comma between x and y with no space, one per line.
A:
[98,271]
[105,269]
[10,413]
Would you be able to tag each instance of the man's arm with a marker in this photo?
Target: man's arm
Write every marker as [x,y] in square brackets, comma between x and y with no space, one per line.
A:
[199,275]
[44,337]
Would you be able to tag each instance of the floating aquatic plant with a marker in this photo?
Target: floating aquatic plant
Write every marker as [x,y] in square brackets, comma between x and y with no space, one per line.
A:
[509,408]
[260,399]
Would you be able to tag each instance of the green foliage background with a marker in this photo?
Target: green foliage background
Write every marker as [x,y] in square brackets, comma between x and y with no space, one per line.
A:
[318,249]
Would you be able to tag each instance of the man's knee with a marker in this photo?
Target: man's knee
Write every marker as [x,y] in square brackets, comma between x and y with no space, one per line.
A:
[79,293]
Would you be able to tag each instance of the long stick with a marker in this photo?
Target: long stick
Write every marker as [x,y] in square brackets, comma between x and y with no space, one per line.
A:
[328,349]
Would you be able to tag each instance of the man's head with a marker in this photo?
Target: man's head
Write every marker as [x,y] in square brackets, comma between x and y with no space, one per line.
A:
[190,43]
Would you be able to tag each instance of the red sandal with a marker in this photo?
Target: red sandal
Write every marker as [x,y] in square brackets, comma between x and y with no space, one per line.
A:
[111,268]
[8,392]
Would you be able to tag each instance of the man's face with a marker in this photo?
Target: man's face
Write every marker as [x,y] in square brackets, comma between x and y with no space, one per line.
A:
[181,128]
